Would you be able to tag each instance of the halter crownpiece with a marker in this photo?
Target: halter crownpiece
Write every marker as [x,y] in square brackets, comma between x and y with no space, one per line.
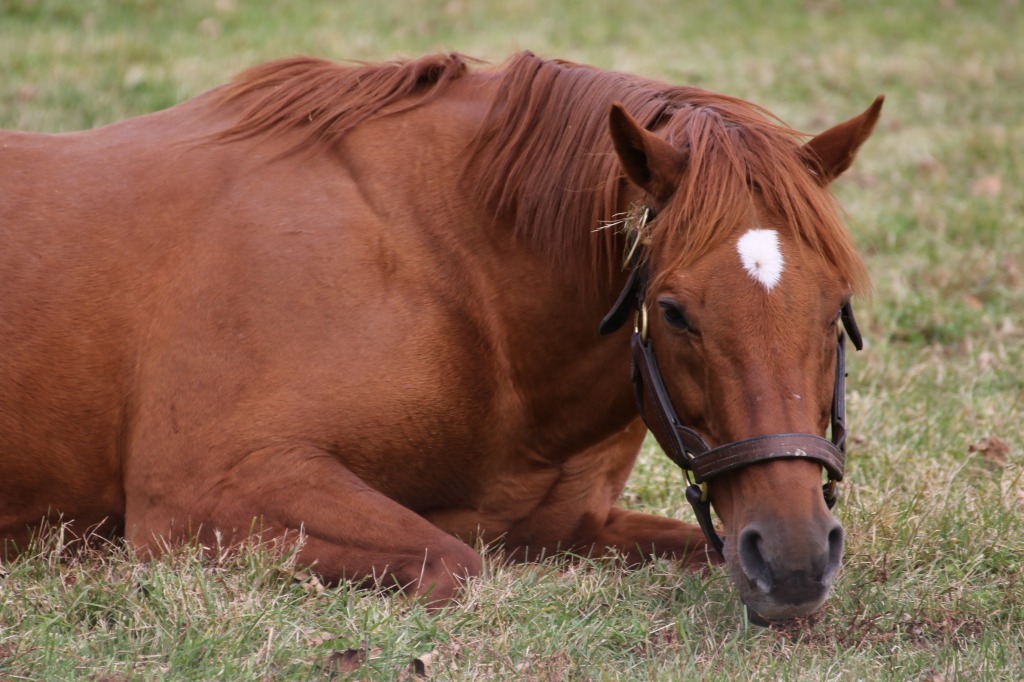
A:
[685,446]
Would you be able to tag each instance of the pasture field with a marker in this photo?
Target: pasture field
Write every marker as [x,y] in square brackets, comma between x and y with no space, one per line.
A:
[933,581]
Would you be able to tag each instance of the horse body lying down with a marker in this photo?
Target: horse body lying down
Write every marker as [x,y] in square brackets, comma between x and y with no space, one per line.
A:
[363,302]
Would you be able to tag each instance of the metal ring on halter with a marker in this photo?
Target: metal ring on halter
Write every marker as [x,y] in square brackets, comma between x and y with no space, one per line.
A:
[702,486]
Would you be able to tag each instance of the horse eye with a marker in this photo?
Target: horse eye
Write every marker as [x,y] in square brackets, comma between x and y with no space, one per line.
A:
[838,319]
[674,314]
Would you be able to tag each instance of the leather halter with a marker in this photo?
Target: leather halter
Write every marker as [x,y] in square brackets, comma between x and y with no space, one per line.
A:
[686,447]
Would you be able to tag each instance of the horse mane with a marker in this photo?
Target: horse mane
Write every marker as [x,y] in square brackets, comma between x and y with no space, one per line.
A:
[326,100]
[544,158]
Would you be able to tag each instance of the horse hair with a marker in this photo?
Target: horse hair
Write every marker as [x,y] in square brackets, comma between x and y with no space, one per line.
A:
[547,128]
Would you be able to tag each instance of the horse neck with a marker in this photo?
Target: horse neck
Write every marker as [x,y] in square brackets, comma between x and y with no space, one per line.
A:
[585,273]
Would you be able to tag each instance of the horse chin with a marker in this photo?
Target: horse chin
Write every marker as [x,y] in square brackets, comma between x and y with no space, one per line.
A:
[764,612]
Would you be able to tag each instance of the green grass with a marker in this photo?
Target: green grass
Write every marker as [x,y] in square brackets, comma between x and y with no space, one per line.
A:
[933,581]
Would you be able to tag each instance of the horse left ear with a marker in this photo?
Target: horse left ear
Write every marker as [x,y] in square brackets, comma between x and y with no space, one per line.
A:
[832,152]
[649,161]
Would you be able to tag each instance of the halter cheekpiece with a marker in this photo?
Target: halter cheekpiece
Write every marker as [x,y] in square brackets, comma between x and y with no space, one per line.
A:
[685,446]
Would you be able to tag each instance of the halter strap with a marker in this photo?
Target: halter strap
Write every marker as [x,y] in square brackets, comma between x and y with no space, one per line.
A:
[690,451]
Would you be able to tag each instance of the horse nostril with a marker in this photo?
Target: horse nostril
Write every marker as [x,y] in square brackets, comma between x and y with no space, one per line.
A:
[825,563]
[835,550]
[752,560]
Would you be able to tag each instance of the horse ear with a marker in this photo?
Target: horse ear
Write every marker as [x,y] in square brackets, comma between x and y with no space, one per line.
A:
[832,152]
[649,161]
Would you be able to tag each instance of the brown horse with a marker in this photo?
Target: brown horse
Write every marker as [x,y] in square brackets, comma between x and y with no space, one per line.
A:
[363,301]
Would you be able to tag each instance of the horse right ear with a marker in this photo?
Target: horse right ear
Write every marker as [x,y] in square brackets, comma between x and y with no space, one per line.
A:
[649,161]
[831,152]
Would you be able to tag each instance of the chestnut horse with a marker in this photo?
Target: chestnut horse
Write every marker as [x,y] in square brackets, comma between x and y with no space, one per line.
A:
[362,302]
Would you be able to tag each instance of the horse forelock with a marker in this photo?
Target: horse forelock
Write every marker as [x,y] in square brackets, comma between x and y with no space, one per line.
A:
[544,158]
[738,158]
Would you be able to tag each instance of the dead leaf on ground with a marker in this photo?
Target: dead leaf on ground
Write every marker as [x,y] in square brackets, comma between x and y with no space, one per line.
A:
[310,582]
[993,450]
[315,638]
[929,165]
[423,665]
[985,360]
[987,186]
[426,665]
[350,660]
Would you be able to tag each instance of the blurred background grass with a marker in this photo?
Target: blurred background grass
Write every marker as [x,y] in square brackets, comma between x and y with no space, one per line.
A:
[933,503]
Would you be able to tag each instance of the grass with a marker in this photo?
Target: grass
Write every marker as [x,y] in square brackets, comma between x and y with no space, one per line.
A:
[931,587]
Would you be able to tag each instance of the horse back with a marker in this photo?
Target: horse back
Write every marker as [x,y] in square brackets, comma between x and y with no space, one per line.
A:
[82,246]
[177,301]
[168,296]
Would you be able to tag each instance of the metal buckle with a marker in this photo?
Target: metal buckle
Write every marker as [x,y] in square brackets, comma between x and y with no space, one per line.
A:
[702,486]
[640,322]
[831,492]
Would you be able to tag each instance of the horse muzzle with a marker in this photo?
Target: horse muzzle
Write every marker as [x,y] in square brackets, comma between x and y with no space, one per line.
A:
[785,572]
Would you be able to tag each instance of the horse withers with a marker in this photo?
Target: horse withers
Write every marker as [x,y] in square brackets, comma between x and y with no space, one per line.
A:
[362,302]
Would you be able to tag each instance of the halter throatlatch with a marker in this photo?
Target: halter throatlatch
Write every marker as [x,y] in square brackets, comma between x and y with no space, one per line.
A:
[686,447]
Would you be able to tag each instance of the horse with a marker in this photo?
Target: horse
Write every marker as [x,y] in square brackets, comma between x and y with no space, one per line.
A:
[356,308]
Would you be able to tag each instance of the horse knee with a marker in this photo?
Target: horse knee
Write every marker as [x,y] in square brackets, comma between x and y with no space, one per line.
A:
[442,574]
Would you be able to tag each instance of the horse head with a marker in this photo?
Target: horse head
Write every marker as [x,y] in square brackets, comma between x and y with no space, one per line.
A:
[743,281]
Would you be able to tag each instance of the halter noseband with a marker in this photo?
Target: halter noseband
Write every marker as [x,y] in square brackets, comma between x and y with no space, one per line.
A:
[685,446]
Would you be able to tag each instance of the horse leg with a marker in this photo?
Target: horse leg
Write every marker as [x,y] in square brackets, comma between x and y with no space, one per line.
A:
[637,537]
[578,513]
[351,531]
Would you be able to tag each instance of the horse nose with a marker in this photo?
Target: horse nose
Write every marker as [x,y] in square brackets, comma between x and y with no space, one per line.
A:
[791,570]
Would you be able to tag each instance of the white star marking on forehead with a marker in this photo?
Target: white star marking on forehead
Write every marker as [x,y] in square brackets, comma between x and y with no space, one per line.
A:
[761,258]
